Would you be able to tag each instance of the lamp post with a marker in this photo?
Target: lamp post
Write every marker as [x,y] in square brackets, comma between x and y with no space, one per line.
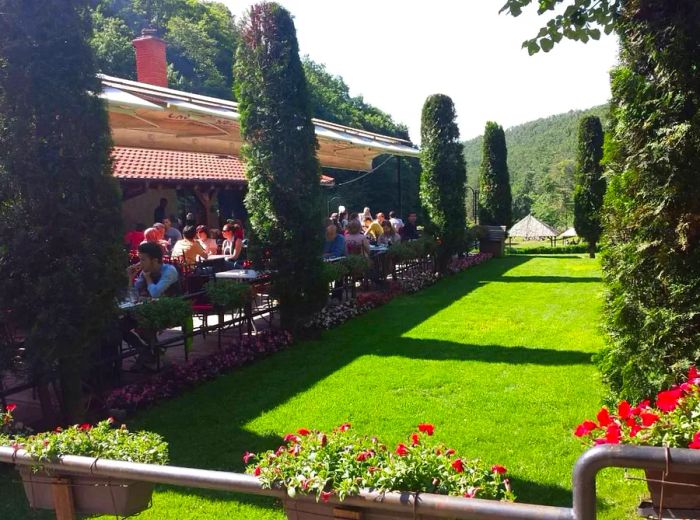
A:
[475,195]
[336,197]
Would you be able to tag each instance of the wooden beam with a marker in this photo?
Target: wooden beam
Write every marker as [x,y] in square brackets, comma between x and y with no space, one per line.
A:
[63,498]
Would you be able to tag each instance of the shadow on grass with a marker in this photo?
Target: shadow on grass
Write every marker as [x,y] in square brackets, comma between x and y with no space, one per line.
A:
[206,427]
[530,492]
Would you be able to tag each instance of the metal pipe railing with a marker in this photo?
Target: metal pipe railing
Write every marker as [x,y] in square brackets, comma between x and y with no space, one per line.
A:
[623,456]
[584,483]
[423,503]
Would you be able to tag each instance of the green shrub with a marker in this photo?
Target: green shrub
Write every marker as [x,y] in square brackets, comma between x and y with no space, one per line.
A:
[284,190]
[652,220]
[229,294]
[163,313]
[333,271]
[355,265]
[444,176]
[495,199]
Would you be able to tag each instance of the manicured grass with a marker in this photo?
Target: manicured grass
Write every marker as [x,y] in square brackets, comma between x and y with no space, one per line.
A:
[498,358]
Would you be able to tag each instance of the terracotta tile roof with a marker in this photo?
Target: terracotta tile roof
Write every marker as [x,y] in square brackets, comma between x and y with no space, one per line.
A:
[168,165]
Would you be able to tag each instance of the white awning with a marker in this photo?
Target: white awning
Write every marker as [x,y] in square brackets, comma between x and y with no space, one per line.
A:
[117,98]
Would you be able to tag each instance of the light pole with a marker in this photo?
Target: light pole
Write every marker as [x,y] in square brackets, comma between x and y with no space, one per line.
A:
[475,195]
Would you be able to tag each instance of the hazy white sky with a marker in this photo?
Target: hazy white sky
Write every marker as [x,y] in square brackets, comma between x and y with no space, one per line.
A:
[396,53]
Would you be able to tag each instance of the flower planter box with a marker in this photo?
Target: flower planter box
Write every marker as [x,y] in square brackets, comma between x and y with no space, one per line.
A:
[307,510]
[680,490]
[91,495]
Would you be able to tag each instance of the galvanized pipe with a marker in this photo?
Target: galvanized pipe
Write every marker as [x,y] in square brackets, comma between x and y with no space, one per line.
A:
[623,456]
[427,504]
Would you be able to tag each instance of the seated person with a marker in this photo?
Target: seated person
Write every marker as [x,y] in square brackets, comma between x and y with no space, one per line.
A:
[373,230]
[154,234]
[409,231]
[134,237]
[188,249]
[232,246]
[156,278]
[390,236]
[356,242]
[334,246]
[209,244]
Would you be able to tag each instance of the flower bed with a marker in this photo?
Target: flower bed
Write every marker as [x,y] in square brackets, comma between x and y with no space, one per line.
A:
[176,379]
[341,463]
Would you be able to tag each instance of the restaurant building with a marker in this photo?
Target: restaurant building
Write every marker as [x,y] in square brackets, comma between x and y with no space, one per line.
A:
[186,147]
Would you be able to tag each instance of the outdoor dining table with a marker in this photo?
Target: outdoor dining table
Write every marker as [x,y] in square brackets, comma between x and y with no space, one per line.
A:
[244,275]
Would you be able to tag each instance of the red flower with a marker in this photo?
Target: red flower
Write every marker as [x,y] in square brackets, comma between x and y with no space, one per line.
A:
[364,455]
[401,450]
[644,404]
[635,430]
[648,418]
[426,428]
[668,400]
[415,440]
[693,376]
[623,410]
[458,466]
[471,492]
[603,417]
[256,471]
[612,434]
[303,432]
[247,456]
[449,451]
[11,407]
[326,495]
[695,445]
[280,451]
[58,429]
[290,437]
[344,427]
[498,469]
[585,428]
[85,427]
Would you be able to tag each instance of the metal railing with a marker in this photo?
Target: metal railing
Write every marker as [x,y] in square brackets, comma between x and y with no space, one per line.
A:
[584,487]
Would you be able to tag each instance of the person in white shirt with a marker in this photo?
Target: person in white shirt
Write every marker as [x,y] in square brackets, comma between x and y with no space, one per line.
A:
[395,221]
[207,243]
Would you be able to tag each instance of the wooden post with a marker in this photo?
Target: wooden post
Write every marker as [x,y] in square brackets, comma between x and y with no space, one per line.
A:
[205,197]
[63,498]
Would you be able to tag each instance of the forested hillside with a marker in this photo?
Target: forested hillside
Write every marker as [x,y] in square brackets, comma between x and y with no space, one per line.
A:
[541,160]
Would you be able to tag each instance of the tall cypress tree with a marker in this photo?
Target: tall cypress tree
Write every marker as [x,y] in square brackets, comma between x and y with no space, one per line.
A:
[444,175]
[61,262]
[590,184]
[495,200]
[652,218]
[284,194]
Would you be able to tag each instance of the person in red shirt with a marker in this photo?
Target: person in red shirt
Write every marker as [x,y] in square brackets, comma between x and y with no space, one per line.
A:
[134,237]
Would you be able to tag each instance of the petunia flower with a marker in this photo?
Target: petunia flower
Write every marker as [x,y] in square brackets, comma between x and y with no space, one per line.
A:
[290,437]
[426,428]
[256,471]
[585,428]
[471,492]
[498,469]
[401,450]
[457,465]
[648,418]
[603,417]
[326,495]
[415,440]
[85,427]
[668,401]
[623,410]
[449,451]
[303,432]
[247,456]
[612,434]
[11,407]
[695,445]
[344,427]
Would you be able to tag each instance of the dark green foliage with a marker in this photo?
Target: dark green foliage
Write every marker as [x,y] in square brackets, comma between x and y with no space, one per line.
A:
[284,193]
[581,20]
[652,263]
[61,262]
[541,164]
[495,200]
[201,41]
[444,176]
[590,185]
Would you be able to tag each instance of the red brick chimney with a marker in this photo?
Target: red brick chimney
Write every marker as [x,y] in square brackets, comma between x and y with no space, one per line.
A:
[151,66]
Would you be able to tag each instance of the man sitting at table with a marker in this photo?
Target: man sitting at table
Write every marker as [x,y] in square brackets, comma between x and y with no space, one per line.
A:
[156,278]
[188,249]
[334,245]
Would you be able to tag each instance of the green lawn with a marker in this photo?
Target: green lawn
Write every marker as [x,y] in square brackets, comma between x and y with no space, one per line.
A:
[497,357]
